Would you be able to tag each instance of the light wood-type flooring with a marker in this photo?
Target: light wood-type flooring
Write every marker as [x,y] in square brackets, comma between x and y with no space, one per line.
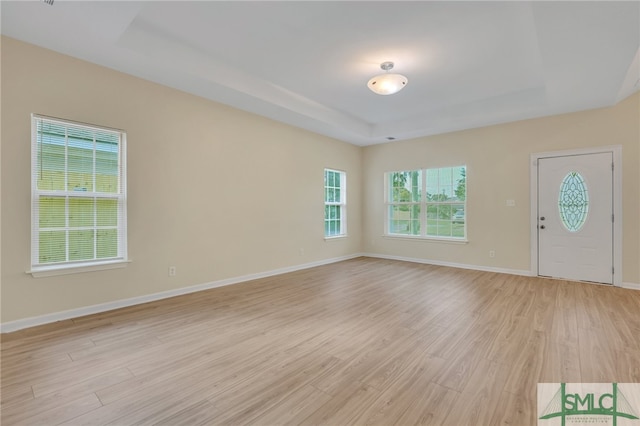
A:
[364,341]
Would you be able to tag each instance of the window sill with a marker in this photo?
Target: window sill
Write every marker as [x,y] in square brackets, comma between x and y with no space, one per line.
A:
[50,271]
[428,239]
[335,237]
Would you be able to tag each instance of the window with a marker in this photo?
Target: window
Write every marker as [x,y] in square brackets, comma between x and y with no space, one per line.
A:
[428,203]
[78,195]
[405,203]
[335,204]
[573,201]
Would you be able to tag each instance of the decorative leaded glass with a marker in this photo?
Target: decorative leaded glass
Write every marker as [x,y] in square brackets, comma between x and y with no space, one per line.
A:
[573,201]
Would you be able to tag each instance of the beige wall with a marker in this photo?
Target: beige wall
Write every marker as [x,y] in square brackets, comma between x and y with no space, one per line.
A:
[215,191]
[497,159]
[221,193]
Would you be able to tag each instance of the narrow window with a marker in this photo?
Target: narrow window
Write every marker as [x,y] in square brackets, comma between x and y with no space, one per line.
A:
[335,203]
[78,178]
[446,190]
[404,202]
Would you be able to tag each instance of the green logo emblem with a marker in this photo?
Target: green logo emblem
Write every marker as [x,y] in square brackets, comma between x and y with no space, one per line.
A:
[587,404]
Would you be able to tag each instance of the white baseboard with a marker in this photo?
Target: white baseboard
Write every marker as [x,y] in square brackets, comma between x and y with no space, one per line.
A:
[633,286]
[20,324]
[451,264]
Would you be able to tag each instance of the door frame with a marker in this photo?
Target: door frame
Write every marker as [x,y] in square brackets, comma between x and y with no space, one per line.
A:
[616,151]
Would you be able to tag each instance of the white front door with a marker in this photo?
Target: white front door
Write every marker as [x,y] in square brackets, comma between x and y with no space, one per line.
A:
[575,217]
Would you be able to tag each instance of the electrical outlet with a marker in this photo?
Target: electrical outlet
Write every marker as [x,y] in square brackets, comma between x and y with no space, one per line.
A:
[492,253]
[172,271]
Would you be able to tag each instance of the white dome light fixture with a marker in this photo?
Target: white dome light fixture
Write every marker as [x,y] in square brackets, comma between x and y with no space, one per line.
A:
[387,84]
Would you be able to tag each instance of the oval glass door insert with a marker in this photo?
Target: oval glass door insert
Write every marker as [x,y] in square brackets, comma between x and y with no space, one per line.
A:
[573,201]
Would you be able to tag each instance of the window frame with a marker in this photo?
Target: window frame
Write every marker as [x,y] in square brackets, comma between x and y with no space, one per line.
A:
[423,204]
[120,260]
[342,204]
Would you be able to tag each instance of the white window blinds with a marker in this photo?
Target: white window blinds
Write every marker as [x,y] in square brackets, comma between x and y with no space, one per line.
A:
[78,194]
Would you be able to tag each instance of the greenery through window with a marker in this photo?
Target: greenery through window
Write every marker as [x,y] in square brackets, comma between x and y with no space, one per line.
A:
[427,203]
[78,193]
[335,196]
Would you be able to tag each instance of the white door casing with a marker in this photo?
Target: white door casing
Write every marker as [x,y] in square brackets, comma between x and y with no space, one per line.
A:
[575,217]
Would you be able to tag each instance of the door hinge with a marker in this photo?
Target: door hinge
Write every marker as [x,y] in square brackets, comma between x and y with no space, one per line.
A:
[611,166]
[613,219]
[613,270]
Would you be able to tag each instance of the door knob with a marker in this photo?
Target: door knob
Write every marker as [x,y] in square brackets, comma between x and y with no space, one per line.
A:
[542,218]
[541,226]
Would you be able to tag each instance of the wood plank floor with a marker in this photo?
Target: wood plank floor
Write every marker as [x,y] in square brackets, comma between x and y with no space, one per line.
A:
[365,341]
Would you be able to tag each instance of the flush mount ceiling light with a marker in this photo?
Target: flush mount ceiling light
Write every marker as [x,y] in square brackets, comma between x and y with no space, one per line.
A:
[387,84]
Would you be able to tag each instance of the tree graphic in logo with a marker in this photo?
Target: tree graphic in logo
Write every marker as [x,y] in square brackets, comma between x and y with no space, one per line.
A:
[613,404]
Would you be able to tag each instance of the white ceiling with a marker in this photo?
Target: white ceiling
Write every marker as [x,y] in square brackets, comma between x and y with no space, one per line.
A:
[305,63]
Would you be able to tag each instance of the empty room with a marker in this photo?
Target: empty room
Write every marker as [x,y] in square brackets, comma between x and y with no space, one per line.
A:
[332,212]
